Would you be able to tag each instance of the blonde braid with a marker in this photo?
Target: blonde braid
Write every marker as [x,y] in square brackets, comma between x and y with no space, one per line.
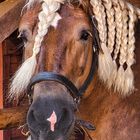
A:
[120,77]
[118,27]
[48,16]
[111,24]
[129,77]
[105,60]
[124,38]
[111,33]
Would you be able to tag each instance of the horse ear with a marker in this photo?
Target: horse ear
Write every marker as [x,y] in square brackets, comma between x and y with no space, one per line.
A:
[28,22]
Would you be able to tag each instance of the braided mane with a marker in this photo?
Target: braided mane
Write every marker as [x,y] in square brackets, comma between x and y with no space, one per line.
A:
[116,20]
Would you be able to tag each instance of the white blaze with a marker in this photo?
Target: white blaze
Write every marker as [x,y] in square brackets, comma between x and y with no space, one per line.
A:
[52,119]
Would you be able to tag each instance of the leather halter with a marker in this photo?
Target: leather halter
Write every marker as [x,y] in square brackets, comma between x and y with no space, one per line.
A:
[74,91]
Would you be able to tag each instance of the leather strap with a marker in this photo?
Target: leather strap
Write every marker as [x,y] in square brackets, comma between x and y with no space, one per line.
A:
[51,76]
[91,74]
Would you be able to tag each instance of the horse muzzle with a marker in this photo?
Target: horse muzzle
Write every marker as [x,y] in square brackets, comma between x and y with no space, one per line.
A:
[58,96]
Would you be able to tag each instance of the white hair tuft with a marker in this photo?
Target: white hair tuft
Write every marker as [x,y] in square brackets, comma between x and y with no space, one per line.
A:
[22,77]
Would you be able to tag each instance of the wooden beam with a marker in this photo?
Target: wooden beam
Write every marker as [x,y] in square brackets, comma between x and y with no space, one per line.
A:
[1,76]
[10,11]
[12,117]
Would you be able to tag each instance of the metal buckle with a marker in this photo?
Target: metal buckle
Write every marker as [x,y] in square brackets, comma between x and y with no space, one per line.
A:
[30,99]
[24,130]
[77,100]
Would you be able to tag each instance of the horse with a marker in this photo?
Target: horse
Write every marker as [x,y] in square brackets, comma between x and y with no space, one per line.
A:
[78,69]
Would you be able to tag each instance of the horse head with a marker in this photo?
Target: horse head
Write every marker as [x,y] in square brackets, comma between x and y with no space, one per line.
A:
[61,45]
[66,49]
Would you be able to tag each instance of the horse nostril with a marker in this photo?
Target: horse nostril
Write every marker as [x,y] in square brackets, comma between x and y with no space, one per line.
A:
[64,114]
[60,138]
[66,118]
[30,116]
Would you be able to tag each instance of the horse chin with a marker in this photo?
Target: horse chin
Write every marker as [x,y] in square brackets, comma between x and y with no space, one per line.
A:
[53,135]
[47,137]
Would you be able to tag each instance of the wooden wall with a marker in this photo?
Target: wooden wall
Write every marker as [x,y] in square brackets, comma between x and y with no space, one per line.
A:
[12,58]
[1,83]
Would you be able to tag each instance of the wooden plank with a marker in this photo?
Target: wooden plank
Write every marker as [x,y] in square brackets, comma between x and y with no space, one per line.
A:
[10,11]
[1,83]
[1,76]
[12,117]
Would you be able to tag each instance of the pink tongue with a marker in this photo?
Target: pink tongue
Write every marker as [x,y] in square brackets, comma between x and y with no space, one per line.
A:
[52,119]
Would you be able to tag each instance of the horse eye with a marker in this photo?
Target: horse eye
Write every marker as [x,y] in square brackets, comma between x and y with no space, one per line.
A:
[23,36]
[84,35]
